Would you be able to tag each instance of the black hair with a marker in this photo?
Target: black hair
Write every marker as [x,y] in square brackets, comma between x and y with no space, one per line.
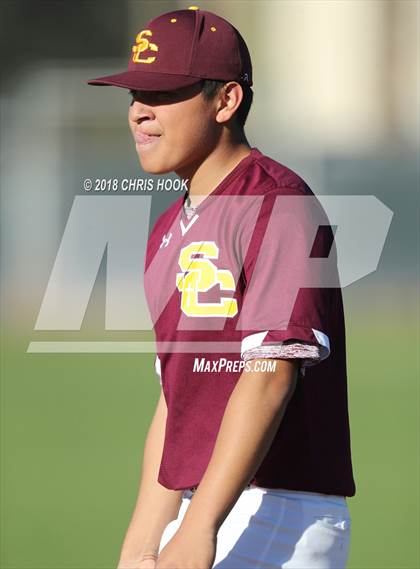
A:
[210,88]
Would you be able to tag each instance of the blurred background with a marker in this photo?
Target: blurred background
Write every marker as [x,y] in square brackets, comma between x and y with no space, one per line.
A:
[336,99]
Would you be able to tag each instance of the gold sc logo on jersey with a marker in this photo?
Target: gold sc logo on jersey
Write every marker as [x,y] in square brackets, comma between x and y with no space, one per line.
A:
[202,275]
[143,44]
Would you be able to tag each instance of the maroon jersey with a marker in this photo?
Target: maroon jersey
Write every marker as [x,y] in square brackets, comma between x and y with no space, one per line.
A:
[255,266]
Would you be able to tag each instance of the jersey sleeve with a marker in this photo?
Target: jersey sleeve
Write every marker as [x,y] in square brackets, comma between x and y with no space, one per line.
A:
[290,272]
[307,354]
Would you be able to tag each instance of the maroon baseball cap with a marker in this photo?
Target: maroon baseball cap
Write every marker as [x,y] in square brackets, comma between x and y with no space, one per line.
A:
[179,49]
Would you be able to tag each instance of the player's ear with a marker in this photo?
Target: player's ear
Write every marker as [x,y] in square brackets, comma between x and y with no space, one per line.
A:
[228,101]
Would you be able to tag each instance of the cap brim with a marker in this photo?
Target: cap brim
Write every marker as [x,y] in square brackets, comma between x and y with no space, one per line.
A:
[146,81]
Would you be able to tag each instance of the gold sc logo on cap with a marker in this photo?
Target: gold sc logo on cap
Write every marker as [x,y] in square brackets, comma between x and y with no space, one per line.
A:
[143,44]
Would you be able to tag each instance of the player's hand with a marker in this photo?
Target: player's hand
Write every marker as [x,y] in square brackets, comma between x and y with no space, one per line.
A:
[148,563]
[189,549]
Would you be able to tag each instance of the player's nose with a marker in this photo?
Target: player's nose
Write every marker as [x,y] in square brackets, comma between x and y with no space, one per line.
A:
[139,111]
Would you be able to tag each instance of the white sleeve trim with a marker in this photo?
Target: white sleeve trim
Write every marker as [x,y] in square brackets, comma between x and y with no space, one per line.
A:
[287,350]
[158,368]
[256,340]
[324,341]
[253,341]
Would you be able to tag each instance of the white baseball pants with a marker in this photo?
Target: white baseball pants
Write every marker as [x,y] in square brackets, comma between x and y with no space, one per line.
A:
[279,529]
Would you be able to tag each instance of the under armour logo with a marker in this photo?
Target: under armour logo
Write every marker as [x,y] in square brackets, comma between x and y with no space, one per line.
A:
[165,241]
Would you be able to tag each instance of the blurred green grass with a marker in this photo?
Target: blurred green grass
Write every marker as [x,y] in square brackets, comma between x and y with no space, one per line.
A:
[73,428]
[383,371]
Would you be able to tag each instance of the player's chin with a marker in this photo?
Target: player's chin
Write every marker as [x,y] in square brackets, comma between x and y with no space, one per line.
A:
[155,164]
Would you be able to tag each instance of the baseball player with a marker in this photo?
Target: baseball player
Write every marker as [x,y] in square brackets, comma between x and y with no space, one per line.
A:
[247,460]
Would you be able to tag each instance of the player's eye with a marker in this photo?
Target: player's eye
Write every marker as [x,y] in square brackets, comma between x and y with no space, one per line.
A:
[153,97]
[164,96]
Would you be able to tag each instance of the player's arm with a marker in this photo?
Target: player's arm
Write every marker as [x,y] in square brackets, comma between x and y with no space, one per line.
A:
[251,419]
[156,506]
[250,422]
